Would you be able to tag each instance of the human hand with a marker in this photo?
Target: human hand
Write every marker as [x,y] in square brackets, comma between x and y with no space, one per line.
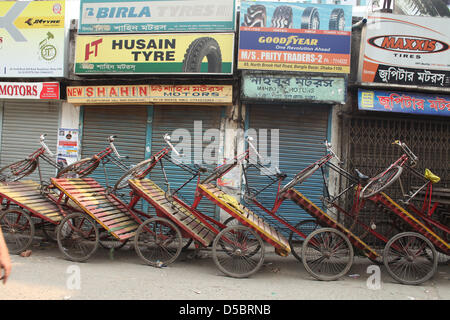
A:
[5,266]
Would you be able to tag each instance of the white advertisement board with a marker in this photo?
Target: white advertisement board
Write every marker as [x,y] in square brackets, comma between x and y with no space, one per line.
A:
[408,50]
[32,38]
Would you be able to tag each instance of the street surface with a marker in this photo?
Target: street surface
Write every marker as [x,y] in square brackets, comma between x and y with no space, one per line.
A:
[46,275]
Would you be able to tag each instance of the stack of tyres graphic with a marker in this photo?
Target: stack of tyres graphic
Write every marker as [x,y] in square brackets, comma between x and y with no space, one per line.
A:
[198,50]
[283,17]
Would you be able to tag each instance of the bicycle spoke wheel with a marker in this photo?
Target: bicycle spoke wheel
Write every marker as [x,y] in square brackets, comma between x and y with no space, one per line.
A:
[78,237]
[296,241]
[387,229]
[158,242]
[79,169]
[18,230]
[327,254]
[381,182]
[17,170]
[410,258]
[238,251]
[137,172]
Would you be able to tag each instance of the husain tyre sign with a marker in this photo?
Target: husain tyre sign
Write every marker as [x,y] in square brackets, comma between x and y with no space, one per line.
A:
[141,16]
[295,37]
[156,53]
[32,39]
[407,50]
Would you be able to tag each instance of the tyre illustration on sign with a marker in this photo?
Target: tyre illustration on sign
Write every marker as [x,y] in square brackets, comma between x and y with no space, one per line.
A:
[197,51]
[255,17]
[283,17]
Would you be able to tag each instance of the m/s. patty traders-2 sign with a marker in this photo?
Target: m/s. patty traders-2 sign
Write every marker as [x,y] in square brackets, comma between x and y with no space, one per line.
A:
[156,53]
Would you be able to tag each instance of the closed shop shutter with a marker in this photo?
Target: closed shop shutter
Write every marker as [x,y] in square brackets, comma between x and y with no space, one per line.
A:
[166,119]
[128,123]
[302,130]
[23,123]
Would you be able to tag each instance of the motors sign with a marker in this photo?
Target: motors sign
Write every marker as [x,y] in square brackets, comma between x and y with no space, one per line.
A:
[141,16]
[29,90]
[406,50]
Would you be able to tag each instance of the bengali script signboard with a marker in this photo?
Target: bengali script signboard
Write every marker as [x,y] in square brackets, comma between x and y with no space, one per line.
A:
[149,94]
[407,50]
[142,16]
[404,102]
[294,88]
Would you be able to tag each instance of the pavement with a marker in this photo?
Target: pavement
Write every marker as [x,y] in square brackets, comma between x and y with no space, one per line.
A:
[46,275]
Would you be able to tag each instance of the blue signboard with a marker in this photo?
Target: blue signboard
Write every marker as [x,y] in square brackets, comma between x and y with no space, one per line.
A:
[404,102]
[149,16]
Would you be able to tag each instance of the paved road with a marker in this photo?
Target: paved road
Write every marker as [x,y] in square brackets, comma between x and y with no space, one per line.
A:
[46,275]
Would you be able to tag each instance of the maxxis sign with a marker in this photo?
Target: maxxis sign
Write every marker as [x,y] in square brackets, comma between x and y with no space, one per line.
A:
[157,53]
[406,50]
[32,38]
[295,37]
[142,16]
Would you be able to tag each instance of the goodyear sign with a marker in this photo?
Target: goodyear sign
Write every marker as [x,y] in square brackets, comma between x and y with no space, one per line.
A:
[166,53]
[141,16]
[32,38]
[295,37]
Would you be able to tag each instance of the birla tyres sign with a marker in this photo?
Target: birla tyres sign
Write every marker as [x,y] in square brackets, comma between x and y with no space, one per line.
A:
[29,90]
[141,16]
[408,50]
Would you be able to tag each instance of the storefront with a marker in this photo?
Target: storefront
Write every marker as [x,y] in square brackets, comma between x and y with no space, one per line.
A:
[28,110]
[296,111]
[140,116]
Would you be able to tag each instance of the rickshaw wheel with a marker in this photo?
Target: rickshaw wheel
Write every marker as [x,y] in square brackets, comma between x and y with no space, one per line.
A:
[327,254]
[18,230]
[158,242]
[235,251]
[410,258]
[77,237]
[296,241]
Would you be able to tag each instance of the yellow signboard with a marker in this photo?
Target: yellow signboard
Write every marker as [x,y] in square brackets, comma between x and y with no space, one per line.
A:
[150,94]
[32,38]
[155,53]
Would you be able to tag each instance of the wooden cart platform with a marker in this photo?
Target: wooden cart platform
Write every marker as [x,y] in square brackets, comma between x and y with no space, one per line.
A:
[394,207]
[90,196]
[319,214]
[26,194]
[246,217]
[179,214]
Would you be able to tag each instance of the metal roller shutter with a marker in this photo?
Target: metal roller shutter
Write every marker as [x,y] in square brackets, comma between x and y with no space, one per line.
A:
[128,123]
[23,123]
[166,119]
[302,130]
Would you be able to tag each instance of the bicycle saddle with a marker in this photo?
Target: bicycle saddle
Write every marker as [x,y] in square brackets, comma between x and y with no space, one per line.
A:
[431,176]
[361,176]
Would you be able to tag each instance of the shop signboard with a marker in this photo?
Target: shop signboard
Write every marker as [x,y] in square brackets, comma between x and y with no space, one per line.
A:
[290,36]
[187,53]
[406,50]
[293,88]
[404,102]
[31,39]
[149,94]
[29,90]
[142,16]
